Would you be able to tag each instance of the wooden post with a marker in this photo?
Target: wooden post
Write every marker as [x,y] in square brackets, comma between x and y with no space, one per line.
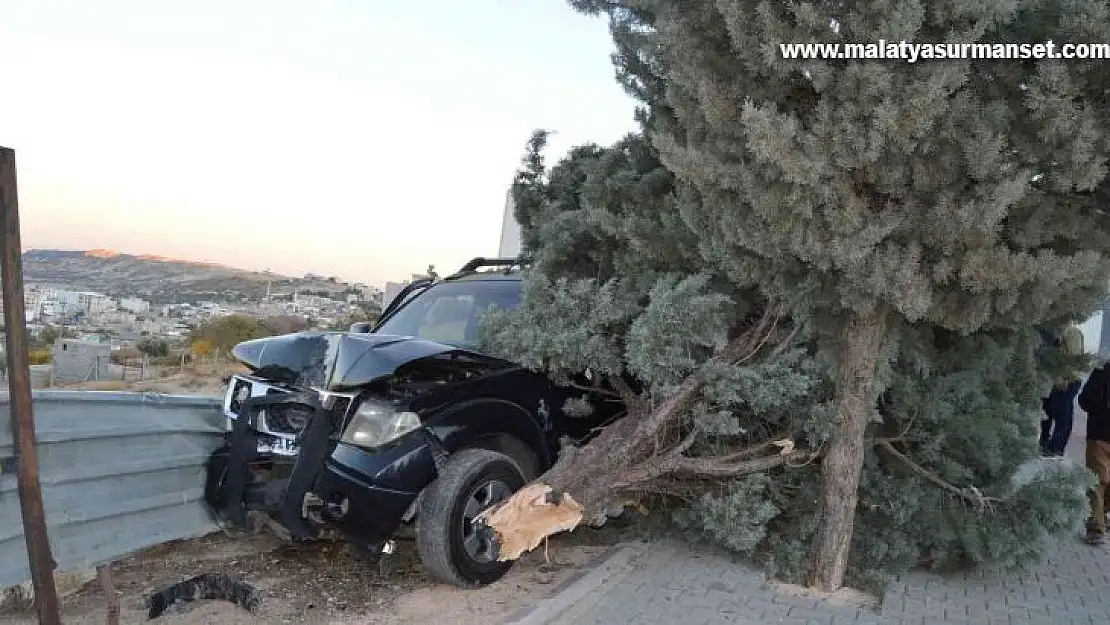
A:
[111,597]
[19,386]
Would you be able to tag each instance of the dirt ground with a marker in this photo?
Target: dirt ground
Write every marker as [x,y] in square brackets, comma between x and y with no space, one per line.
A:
[324,582]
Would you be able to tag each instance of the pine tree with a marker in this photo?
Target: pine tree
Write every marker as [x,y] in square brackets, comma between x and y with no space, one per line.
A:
[959,416]
[875,195]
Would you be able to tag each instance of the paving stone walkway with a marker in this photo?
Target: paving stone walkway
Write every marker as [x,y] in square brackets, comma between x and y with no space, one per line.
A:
[669,583]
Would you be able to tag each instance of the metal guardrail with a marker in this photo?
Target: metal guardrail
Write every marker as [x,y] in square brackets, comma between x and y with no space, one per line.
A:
[120,472]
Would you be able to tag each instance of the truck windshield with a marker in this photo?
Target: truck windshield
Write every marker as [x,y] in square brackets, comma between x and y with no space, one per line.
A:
[451,312]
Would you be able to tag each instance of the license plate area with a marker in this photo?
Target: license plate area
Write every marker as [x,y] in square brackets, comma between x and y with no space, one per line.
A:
[277,445]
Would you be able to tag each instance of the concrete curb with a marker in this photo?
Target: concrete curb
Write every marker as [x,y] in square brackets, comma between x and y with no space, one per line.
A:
[607,567]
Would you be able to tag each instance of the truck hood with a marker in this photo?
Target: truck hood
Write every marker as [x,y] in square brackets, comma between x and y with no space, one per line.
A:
[334,360]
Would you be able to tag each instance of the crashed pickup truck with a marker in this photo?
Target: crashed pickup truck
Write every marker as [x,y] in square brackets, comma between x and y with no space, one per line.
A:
[402,424]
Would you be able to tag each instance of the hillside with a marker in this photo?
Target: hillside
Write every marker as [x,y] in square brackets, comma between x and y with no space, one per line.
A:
[158,279]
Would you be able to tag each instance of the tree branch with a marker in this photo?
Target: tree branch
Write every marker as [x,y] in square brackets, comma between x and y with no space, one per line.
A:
[753,450]
[595,389]
[971,493]
[783,344]
[737,350]
[716,467]
[632,401]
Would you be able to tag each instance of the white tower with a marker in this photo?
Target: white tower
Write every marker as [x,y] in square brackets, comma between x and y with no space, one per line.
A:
[510,231]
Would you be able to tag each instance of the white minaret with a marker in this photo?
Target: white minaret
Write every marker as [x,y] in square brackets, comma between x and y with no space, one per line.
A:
[510,231]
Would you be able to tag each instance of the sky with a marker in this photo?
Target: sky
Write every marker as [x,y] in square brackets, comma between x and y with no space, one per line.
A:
[361,138]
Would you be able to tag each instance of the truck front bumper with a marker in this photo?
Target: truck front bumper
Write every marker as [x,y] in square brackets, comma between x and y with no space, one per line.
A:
[364,494]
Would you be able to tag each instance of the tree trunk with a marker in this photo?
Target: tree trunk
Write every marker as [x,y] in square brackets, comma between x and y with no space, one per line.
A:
[860,343]
[643,452]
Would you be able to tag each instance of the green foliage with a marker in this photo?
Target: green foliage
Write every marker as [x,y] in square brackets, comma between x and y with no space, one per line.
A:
[50,335]
[155,348]
[366,311]
[223,333]
[965,409]
[285,324]
[736,518]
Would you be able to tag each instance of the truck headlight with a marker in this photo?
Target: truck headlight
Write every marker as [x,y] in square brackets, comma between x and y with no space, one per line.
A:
[375,424]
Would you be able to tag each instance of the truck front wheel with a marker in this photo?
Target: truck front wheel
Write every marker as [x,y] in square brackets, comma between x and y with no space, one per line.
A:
[472,481]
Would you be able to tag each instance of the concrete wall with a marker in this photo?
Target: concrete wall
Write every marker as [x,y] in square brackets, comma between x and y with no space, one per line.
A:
[41,376]
[77,361]
[120,472]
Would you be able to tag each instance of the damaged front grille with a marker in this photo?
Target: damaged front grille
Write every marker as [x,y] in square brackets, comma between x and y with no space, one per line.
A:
[279,421]
[285,419]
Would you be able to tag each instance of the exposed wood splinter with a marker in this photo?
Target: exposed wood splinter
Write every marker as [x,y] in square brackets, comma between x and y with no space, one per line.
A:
[529,517]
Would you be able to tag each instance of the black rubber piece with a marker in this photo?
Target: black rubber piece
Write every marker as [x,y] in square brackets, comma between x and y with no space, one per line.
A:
[313,451]
[204,586]
[439,523]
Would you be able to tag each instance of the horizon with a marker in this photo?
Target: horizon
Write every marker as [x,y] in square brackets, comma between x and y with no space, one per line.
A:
[360,140]
[152,257]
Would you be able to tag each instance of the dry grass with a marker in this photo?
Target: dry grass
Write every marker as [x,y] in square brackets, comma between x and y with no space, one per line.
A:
[199,379]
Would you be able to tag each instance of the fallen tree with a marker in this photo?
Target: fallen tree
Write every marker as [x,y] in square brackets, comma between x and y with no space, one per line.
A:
[645,451]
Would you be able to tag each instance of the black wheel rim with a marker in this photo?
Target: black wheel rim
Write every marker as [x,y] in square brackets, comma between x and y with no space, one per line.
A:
[481,498]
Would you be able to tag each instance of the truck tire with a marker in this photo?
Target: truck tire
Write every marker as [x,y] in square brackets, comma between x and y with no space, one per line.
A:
[472,481]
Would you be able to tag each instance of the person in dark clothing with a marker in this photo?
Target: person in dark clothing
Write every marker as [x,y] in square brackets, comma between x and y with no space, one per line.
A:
[1094,399]
[1059,406]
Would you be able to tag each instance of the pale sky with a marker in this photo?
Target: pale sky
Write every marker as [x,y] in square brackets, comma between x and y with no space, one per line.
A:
[359,138]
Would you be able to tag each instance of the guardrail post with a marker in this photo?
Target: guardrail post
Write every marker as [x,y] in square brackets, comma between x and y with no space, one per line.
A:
[19,386]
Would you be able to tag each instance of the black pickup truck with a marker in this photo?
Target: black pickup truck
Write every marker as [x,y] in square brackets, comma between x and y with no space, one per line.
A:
[395,424]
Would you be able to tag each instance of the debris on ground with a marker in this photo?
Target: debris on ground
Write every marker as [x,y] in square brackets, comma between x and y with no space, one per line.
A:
[204,586]
[320,582]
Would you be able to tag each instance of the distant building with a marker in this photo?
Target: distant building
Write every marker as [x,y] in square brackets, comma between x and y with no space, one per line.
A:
[392,290]
[79,361]
[64,302]
[94,303]
[134,305]
[510,246]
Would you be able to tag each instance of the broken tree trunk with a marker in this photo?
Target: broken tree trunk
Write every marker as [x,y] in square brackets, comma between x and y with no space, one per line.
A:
[860,343]
[643,452]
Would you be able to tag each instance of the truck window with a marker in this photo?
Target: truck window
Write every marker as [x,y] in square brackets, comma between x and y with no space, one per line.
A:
[450,312]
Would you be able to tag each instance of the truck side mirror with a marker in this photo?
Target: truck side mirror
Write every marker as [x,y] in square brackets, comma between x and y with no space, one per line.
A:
[361,327]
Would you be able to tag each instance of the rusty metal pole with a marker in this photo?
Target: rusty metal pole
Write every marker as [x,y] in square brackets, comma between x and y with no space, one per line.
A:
[19,386]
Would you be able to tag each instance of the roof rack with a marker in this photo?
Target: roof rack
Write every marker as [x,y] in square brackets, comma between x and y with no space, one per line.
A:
[481,262]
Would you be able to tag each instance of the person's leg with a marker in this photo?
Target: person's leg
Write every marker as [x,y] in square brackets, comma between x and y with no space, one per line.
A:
[1098,461]
[1067,415]
[1046,423]
[1063,410]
